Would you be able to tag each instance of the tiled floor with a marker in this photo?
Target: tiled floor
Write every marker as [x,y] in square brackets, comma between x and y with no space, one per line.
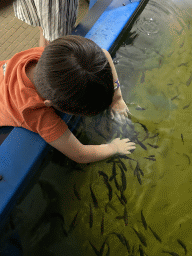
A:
[17,36]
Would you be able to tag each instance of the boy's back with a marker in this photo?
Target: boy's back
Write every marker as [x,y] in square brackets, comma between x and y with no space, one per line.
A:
[20,104]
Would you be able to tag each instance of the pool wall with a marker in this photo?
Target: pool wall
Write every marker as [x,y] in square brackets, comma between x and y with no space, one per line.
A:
[23,151]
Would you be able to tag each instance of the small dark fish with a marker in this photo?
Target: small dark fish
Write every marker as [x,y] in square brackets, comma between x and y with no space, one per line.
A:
[187,158]
[121,201]
[141,144]
[123,178]
[94,199]
[142,78]
[123,165]
[72,225]
[91,217]
[150,158]
[155,235]
[146,130]
[174,97]
[102,226]
[95,250]
[1,177]
[160,62]
[153,146]
[187,106]
[76,193]
[109,188]
[121,237]
[183,64]
[114,172]
[141,237]
[183,245]
[141,251]
[171,253]
[139,178]
[105,176]
[155,135]
[189,24]
[143,220]
[189,80]
[123,197]
[125,157]
[116,184]
[127,245]
[126,216]
[182,138]
[108,251]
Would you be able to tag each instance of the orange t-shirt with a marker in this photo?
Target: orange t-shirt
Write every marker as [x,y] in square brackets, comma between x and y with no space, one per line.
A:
[20,104]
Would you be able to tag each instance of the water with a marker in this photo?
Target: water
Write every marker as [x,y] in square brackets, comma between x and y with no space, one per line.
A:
[155,73]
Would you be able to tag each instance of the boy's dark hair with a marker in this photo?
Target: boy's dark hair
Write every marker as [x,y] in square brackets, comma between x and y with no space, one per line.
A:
[74,73]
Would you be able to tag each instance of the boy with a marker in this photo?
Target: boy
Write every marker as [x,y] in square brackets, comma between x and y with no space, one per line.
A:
[73,75]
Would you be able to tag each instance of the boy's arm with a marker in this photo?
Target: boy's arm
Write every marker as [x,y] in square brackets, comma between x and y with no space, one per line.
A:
[118,103]
[70,146]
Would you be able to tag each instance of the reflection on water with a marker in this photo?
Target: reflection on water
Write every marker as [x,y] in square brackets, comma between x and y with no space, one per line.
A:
[136,204]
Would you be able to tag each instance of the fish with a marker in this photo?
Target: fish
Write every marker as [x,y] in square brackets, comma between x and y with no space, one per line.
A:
[72,225]
[160,62]
[187,158]
[139,178]
[95,250]
[108,251]
[187,106]
[121,237]
[141,144]
[183,64]
[105,176]
[102,226]
[143,220]
[123,178]
[155,135]
[125,157]
[109,188]
[121,201]
[182,138]
[153,146]
[116,184]
[127,245]
[174,97]
[189,80]
[142,78]
[171,253]
[189,24]
[94,198]
[150,158]
[141,237]
[126,216]
[123,165]
[141,251]
[183,245]
[146,130]
[91,217]
[76,193]
[155,235]
[123,197]
[113,172]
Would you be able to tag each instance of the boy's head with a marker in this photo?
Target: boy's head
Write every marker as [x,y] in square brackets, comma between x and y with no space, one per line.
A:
[74,74]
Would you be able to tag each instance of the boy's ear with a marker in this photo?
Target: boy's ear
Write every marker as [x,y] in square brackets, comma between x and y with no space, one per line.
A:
[48,103]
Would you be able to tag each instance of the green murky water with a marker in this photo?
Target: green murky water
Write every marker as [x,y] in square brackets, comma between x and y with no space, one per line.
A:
[151,202]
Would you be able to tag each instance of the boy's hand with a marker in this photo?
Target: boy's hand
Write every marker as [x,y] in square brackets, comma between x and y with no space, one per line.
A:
[119,110]
[123,146]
